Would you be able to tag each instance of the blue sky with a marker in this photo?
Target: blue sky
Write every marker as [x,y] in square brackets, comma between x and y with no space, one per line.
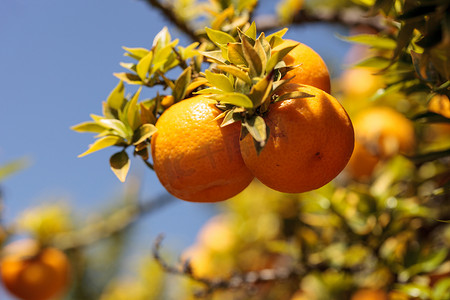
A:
[56,63]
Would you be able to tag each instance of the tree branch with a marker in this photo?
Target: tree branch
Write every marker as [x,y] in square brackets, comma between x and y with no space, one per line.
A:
[169,13]
[238,281]
[349,17]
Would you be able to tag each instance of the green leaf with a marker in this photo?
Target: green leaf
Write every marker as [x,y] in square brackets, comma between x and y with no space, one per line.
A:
[374,62]
[426,265]
[143,65]
[230,118]
[218,37]
[236,99]
[236,54]
[181,84]
[251,31]
[161,57]
[209,91]
[235,71]
[102,143]
[161,39]
[12,167]
[117,126]
[129,78]
[133,118]
[371,40]
[261,90]
[88,127]
[136,53]
[278,53]
[293,95]
[278,34]
[116,98]
[144,132]
[441,289]
[259,131]
[219,81]
[414,290]
[403,38]
[215,56]
[120,165]
[253,59]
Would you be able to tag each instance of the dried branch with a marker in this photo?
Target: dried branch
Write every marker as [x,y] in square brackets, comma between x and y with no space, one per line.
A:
[238,281]
[349,17]
[169,13]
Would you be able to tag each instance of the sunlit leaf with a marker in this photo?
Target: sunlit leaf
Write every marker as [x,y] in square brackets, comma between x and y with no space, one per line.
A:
[88,127]
[120,165]
[215,56]
[293,95]
[117,126]
[196,83]
[371,40]
[253,59]
[251,31]
[441,289]
[116,98]
[230,117]
[235,71]
[143,65]
[102,143]
[133,111]
[236,54]
[237,99]
[129,78]
[144,132]
[222,17]
[279,34]
[278,53]
[162,38]
[218,37]
[261,90]
[136,53]
[13,167]
[181,84]
[219,81]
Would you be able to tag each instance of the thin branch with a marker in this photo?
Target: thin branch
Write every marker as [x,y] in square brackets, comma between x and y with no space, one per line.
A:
[118,221]
[349,17]
[169,13]
[238,281]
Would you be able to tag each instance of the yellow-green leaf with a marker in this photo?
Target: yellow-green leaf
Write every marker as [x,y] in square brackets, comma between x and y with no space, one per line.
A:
[102,143]
[143,65]
[372,40]
[251,31]
[236,99]
[136,53]
[129,78]
[278,53]
[117,126]
[120,165]
[88,127]
[181,84]
[218,37]
[219,81]
[235,71]
[115,99]
[215,56]
[144,132]
[253,59]
[133,111]
[236,54]
[278,34]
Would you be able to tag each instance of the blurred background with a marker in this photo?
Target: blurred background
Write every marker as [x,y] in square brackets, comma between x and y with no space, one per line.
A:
[57,59]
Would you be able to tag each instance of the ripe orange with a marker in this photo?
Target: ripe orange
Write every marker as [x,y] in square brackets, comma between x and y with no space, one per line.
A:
[381,132]
[194,158]
[310,142]
[384,131]
[31,273]
[312,70]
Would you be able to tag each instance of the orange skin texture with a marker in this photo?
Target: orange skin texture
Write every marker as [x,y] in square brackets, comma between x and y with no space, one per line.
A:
[312,70]
[310,142]
[194,158]
[41,276]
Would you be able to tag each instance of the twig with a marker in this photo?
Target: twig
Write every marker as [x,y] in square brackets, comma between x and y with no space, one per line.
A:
[238,281]
[169,13]
[347,17]
[106,227]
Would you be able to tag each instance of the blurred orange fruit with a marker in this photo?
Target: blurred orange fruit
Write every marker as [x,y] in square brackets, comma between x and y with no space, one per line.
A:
[194,158]
[381,132]
[312,70]
[369,294]
[360,82]
[31,273]
[310,142]
[440,104]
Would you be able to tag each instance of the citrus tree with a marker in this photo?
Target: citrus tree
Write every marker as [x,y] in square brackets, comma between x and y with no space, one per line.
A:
[327,188]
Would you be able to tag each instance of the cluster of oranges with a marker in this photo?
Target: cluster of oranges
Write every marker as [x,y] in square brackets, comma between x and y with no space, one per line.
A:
[310,140]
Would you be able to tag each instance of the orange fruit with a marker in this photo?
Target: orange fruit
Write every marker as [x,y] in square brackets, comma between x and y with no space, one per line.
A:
[369,294]
[440,104]
[312,70]
[31,273]
[194,158]
[384,131]
[360,82]
[310,142]
[362,163]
